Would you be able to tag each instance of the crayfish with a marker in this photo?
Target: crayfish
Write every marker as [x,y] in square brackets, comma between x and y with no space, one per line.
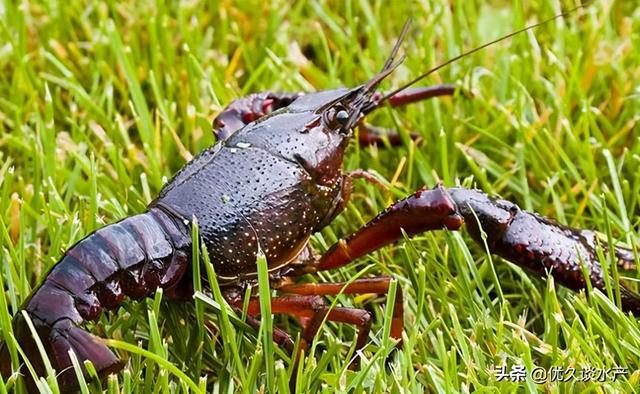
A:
[272,180]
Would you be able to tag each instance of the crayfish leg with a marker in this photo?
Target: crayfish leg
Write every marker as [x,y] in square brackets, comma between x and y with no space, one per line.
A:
[377,285]
[313,310]
[539,244]
[242,111]
[422,211]
[373,135]
[533,242]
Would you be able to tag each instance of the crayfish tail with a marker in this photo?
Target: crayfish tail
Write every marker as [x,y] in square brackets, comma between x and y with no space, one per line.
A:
[87,348]
[58,341]
[130,258]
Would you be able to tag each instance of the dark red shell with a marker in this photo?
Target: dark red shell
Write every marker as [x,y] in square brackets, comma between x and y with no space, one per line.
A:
[273,184]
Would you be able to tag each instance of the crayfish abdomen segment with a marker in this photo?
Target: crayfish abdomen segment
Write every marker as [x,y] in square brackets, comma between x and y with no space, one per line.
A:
[132,257]
[128,258]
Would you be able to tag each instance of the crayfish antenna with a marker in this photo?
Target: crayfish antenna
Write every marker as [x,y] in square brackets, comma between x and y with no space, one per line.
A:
[363,102]
[476,49]
[396,46]
[390,64]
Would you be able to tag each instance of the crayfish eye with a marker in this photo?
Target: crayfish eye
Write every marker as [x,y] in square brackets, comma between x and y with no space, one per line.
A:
[342,117]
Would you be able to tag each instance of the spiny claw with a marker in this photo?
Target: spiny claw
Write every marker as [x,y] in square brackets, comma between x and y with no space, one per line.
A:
[539,244]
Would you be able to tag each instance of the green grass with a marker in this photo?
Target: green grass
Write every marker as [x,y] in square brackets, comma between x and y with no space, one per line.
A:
[101,102]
